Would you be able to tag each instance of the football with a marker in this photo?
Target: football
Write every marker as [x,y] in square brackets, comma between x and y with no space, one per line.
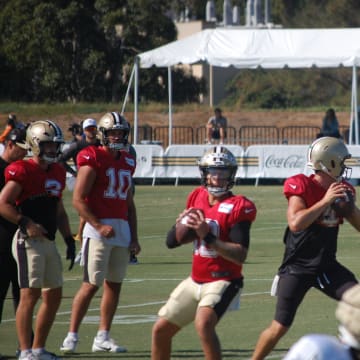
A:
[344,206]
[183,233]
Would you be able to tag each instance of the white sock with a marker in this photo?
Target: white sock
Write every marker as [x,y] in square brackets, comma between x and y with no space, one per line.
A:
[73,335]
[38,350]
[102,334]
[25,353]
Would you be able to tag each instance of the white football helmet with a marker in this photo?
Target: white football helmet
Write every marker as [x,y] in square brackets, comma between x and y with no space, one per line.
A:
[114,121]
[217,159]
[328,154]
[44,131]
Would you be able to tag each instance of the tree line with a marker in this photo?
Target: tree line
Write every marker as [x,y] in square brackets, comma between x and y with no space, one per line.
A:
[84,50]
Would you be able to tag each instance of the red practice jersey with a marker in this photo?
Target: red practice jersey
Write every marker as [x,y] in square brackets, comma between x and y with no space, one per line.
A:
[207,264]
[107,198]
[41,191]
[311,192]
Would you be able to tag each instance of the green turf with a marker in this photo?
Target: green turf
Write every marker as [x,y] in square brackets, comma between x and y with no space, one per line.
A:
[148,284]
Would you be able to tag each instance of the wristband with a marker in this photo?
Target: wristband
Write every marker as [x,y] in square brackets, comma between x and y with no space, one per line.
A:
[22,223]
[209,238]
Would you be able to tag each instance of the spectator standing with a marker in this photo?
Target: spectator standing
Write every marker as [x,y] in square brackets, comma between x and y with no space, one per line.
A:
[222,225]
[311,238]
[216,128]
[104,199]
[15,149]
[325,347]
[31,198]
[330,125]
[82,138]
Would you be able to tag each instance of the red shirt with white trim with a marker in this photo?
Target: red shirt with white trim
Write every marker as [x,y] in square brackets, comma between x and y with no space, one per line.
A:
[41,191]
[208,265]
[107,198]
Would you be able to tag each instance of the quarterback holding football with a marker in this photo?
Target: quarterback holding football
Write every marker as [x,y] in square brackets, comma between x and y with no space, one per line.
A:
[217,223]
[317,206]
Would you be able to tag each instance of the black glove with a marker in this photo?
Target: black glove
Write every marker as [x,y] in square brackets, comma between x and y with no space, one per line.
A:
[70,250]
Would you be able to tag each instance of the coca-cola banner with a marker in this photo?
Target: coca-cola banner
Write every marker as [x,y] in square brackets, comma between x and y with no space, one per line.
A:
[255,162]
[275,161]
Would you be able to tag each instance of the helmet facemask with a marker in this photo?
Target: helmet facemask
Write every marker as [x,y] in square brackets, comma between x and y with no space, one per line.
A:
[114,121]
[49,156]
[225,179]
[41,132]
[117,146]
[218,165]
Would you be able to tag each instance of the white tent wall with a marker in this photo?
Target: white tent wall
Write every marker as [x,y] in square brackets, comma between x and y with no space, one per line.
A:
[246,48]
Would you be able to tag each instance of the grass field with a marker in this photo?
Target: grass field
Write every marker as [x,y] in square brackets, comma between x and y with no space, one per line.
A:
[148,284]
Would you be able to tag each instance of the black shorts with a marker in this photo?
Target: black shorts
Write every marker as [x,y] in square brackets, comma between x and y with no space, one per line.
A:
[292,288]
[215,134]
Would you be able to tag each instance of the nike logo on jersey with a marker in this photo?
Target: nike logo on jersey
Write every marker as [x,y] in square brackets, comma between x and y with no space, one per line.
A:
[12,172]
[293,186]
[87,157]
[248,211]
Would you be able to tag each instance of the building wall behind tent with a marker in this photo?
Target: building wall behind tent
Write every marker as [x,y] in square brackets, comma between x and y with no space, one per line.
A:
[212,75]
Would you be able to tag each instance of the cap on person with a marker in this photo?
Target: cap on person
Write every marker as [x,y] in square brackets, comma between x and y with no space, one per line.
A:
[89,122]
[18,137]
[348,313]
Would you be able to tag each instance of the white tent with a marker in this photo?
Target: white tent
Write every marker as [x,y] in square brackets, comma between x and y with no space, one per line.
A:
[246,48]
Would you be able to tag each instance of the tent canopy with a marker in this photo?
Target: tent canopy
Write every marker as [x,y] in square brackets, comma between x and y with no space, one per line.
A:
[267,48]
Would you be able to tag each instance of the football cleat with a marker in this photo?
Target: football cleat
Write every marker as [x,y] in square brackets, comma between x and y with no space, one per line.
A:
[69,344]
[107,345]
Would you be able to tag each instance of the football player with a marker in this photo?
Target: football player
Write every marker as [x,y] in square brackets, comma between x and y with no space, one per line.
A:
[223,226]
[32,199]
[15,149]
[311,238]
[103,198]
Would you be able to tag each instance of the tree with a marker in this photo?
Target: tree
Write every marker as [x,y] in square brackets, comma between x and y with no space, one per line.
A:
[84,50]
[130,28]
[58,50]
